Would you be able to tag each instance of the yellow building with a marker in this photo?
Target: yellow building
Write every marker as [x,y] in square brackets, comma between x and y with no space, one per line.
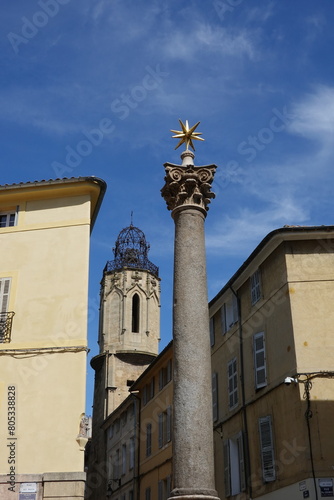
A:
[44,232]
[272,364]
[121,436]
[138,437]
[155,392]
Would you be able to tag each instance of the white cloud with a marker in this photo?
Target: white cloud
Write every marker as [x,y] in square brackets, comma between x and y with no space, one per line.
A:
[214,40]
[315,116]
[239,234]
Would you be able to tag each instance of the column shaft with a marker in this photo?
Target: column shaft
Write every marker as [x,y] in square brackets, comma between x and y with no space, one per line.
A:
[193,430]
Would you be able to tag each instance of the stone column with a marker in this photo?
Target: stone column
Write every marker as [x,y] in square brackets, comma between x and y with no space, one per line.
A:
[188,192]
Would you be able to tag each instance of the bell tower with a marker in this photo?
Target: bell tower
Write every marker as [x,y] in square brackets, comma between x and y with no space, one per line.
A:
[129,331]
[129,326]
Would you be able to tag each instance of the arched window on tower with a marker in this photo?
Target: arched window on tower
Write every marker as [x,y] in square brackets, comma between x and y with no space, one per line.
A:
[135,313]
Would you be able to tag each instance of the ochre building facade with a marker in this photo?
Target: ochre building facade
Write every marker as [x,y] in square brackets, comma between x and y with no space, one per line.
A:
[45,233]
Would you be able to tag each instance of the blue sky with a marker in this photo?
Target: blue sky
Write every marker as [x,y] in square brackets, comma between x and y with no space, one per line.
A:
[94,87]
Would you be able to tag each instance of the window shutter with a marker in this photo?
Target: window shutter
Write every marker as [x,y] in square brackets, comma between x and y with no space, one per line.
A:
[267,449]
[235,309]
[132,453]
[160,490]
[123,458]
[260,361]
[255,287]
[227,470]
[169,423]
[168,486]
[4,294]
[242,475]
[148,439]
[169,370]
[161,379]
[148,494]
[232,383]
[212,332]
[161,429]
[152,388]
[223,318]
[215,396]
[117,466]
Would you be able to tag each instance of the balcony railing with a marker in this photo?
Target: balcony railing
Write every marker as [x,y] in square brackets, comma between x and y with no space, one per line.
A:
[6,319]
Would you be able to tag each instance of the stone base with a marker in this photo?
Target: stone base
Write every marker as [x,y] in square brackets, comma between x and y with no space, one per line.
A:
[55,486]
[188,494]
[194,496]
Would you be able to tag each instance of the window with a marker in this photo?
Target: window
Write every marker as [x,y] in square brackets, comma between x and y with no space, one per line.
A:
[165,427]
[164,488]
[124,418]
[135,313]
[161,490]
[148,391]
[110,431]
[116,466]
[131,410]
[110,466]
[234,465]
[8,219]
[165,375]
[260,371]
[148,439]
[232,374]
[5,316]
[267,449]
[148,494]
[132,453]
[229,313]
[123,459]
[131,495]
[215,396]
[255,287]
[212,331]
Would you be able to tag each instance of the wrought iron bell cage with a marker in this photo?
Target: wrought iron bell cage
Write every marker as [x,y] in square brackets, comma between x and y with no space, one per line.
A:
[131,250]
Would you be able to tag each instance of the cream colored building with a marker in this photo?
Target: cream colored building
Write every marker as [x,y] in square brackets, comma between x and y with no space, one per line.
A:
[272,338]
[44,233]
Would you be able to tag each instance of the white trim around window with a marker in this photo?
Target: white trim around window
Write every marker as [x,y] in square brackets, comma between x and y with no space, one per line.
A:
[8,218]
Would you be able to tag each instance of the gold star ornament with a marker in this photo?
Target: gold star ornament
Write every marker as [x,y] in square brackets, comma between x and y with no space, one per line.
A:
[187,135]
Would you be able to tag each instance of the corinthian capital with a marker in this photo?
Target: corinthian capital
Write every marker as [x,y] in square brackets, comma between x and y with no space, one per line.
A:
[188,185]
